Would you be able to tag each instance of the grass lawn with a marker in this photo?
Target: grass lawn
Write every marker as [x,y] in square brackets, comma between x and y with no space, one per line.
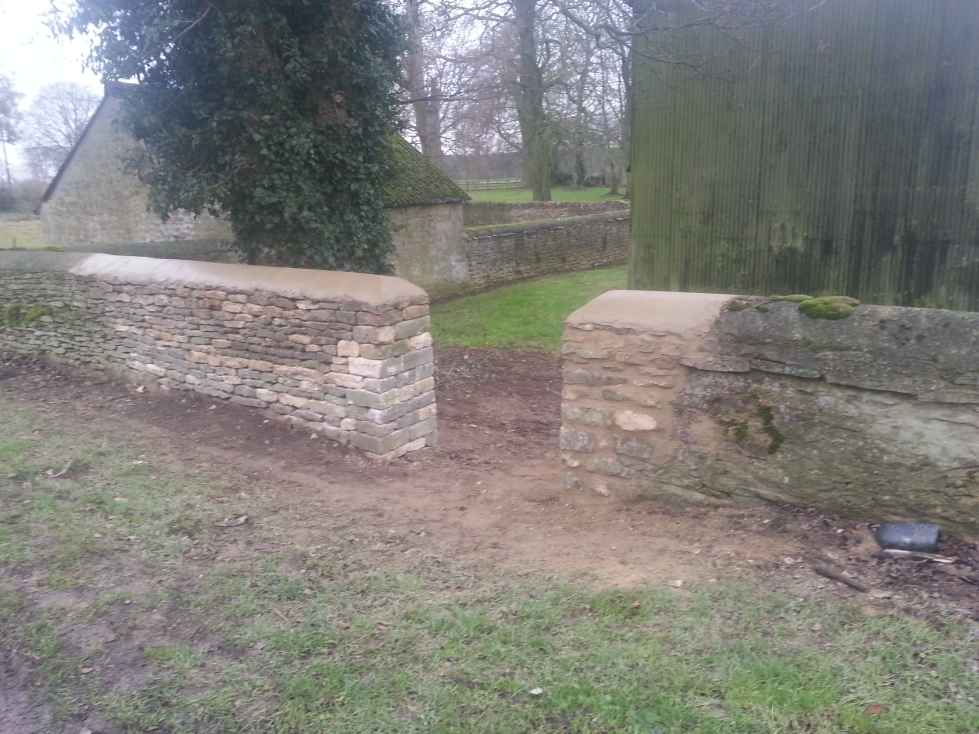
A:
[21,232]
[143,610]
[516,195]
[527,315]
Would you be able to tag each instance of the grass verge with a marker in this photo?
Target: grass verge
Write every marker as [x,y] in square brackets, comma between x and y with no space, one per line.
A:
[125,600]
[527,315]
[23,233]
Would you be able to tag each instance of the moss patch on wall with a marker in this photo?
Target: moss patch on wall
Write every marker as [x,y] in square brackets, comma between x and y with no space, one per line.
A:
[19,314]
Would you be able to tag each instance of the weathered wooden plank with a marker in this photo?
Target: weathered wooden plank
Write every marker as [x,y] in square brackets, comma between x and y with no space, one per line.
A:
[834,150]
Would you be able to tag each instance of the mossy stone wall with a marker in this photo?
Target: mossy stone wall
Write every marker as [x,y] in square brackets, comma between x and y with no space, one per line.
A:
[874,416]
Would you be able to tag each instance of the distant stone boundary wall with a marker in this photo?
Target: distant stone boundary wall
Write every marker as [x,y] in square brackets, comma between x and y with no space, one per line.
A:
[706,399]
[346,355]
[486,213]
[509,252]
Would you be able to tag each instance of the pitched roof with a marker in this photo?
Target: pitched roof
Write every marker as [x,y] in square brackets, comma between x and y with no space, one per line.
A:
[71,153]
[416,181]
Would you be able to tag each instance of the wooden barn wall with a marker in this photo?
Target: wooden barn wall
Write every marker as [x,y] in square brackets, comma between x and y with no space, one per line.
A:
[833,151]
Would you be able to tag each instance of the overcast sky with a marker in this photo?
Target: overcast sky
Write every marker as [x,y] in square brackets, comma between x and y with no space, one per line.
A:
[33,58]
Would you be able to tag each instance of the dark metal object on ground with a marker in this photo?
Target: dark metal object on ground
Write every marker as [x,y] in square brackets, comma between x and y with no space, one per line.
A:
[852,583]
[919,537]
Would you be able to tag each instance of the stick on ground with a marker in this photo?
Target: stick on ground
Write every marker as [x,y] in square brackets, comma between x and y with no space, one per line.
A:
[841,578]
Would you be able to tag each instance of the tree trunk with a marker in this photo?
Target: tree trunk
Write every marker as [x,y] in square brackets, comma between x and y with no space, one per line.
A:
[626,119]
[424,96]
[534,130]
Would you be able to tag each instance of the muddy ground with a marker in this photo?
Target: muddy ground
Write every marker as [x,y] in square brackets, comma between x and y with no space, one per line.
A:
[489,493]
[490,490]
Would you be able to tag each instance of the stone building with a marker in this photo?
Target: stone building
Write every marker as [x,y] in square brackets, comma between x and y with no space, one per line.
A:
[93,204]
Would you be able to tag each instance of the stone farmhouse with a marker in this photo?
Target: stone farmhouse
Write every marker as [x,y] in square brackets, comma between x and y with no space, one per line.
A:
[94,205]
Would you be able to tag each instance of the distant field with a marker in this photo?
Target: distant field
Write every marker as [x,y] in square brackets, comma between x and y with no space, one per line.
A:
[517,195]
[527,315]
[20,232]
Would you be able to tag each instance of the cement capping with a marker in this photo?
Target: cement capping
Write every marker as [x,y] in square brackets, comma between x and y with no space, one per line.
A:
[657,310]
[320,285]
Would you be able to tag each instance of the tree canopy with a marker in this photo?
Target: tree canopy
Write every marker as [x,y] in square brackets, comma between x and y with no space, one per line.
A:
[278,113]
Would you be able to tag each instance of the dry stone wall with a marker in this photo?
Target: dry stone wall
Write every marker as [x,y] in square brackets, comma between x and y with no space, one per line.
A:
[487,213]
[504,253]
[346,355]
[713,400]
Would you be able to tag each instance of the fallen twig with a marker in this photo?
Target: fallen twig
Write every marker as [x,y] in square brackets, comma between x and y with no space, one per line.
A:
[64,470]
[841,578]
[911,555]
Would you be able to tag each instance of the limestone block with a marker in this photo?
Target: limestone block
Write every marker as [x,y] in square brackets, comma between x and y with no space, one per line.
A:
[609,467]
[591,377]
[293,401]
[586,416]
[629,420]
[634,447]
[348,348]
[573,440]
[375,367]
[385,351]
[585,351]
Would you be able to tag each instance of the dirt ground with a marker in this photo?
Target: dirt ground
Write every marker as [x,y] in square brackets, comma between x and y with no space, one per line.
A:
[490,491]
[488,494]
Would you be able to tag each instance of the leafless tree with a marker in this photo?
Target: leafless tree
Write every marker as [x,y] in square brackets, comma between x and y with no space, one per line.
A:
[548,78]
[54,123]
[9,120]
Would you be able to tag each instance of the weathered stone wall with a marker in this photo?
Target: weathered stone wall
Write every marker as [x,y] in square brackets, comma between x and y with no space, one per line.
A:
[95,202]
[504,253]
[343,354]
[677,396]
[486,213]
[429,246]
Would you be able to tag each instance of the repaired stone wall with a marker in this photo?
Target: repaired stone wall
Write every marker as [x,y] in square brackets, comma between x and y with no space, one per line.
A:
[486,213]
[706,399]
[346,355]
[504,253]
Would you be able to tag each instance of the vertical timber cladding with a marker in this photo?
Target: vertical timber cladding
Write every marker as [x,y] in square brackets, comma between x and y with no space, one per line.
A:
[832,150]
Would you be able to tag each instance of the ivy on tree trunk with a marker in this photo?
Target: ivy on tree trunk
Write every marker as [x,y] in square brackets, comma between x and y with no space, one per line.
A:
[277,113]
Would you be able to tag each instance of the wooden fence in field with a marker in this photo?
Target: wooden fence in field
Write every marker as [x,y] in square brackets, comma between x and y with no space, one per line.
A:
[490,184]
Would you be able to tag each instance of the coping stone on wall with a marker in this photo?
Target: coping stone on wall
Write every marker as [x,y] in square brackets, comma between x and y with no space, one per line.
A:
[650,309]
[291,282]
[677,397]
[354,349]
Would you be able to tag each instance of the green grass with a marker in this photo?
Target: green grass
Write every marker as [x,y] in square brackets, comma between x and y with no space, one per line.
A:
[527,315]
[287,638]
[519,195]
[20,232]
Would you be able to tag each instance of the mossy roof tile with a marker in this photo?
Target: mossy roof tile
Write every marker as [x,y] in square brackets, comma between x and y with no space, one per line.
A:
[416,181]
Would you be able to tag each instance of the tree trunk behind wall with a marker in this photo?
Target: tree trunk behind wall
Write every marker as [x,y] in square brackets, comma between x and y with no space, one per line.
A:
[534,130]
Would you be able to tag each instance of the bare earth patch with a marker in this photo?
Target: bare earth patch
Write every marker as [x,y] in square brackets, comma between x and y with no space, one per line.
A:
[490,490]
[488,494]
